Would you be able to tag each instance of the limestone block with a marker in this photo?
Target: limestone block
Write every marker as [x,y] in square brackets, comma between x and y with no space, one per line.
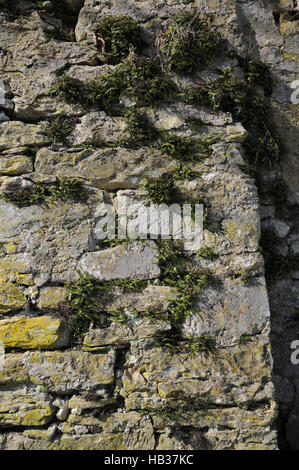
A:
[137,261]
[33,333]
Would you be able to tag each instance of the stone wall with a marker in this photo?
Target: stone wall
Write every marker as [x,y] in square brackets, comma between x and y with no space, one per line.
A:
[104,349]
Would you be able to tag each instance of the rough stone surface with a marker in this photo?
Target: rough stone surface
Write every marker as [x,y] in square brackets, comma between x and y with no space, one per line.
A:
[114,388]
[33,333]
[137,261]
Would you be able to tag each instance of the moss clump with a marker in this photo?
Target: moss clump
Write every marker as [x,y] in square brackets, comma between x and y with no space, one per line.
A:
[187,43]
[185,148]
[184,172]
[159,190]
[188,284]
[59,129]
[69,89]
[207,253]
[244,339]
[173,342]
[180,405]
[139,79]
[83,295]
[139,130]
[230,94]
[257,73]
[198,344]
[62,188]
[115,36]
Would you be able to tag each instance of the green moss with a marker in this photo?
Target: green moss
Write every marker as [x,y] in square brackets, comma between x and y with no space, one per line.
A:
[115,36]
[207,253]
[83,295]
[230,94]
[245,339]
[139,130]
[159,190]
[187,43]
[59,129]
[69,89]
[185,148]
[187,284]
[179,407]
[63,188]
[198,344]
[184,172]
[257,73]
[140,79]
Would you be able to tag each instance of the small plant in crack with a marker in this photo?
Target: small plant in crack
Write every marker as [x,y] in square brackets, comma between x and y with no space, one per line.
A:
[244,339]
[187,43]
[61,189]
[60,128]
[115,36]
[257,73]
[139,131]
[207,253]
[159,190]
[84,296]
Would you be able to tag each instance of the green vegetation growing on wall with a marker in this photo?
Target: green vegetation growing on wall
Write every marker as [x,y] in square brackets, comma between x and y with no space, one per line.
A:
[139,131]
[83,295]
[63,188]
[257,73]
[115,36]
[59,129]
[185,148]
[159,190]
[230,94]
[139,79]
[187,43]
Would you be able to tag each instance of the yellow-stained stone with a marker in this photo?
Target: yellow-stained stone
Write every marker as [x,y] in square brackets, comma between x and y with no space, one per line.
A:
[17,134]
[12,297]
[24,408]
[81,403]
[60,372]
[33,333]
[14,166]
[51,297]
[24,279]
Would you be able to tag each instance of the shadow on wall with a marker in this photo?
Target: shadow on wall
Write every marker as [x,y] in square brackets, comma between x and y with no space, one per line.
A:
[281,274]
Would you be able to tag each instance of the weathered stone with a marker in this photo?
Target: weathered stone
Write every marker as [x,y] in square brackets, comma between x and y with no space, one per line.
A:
[33,333]
[111,168]
[152,375]
[230,310]
[120,335]
[137,261]
[81,403]
[17,165]
[24,407]
[59,372]
[16,134]
[52,297]
[157,298]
